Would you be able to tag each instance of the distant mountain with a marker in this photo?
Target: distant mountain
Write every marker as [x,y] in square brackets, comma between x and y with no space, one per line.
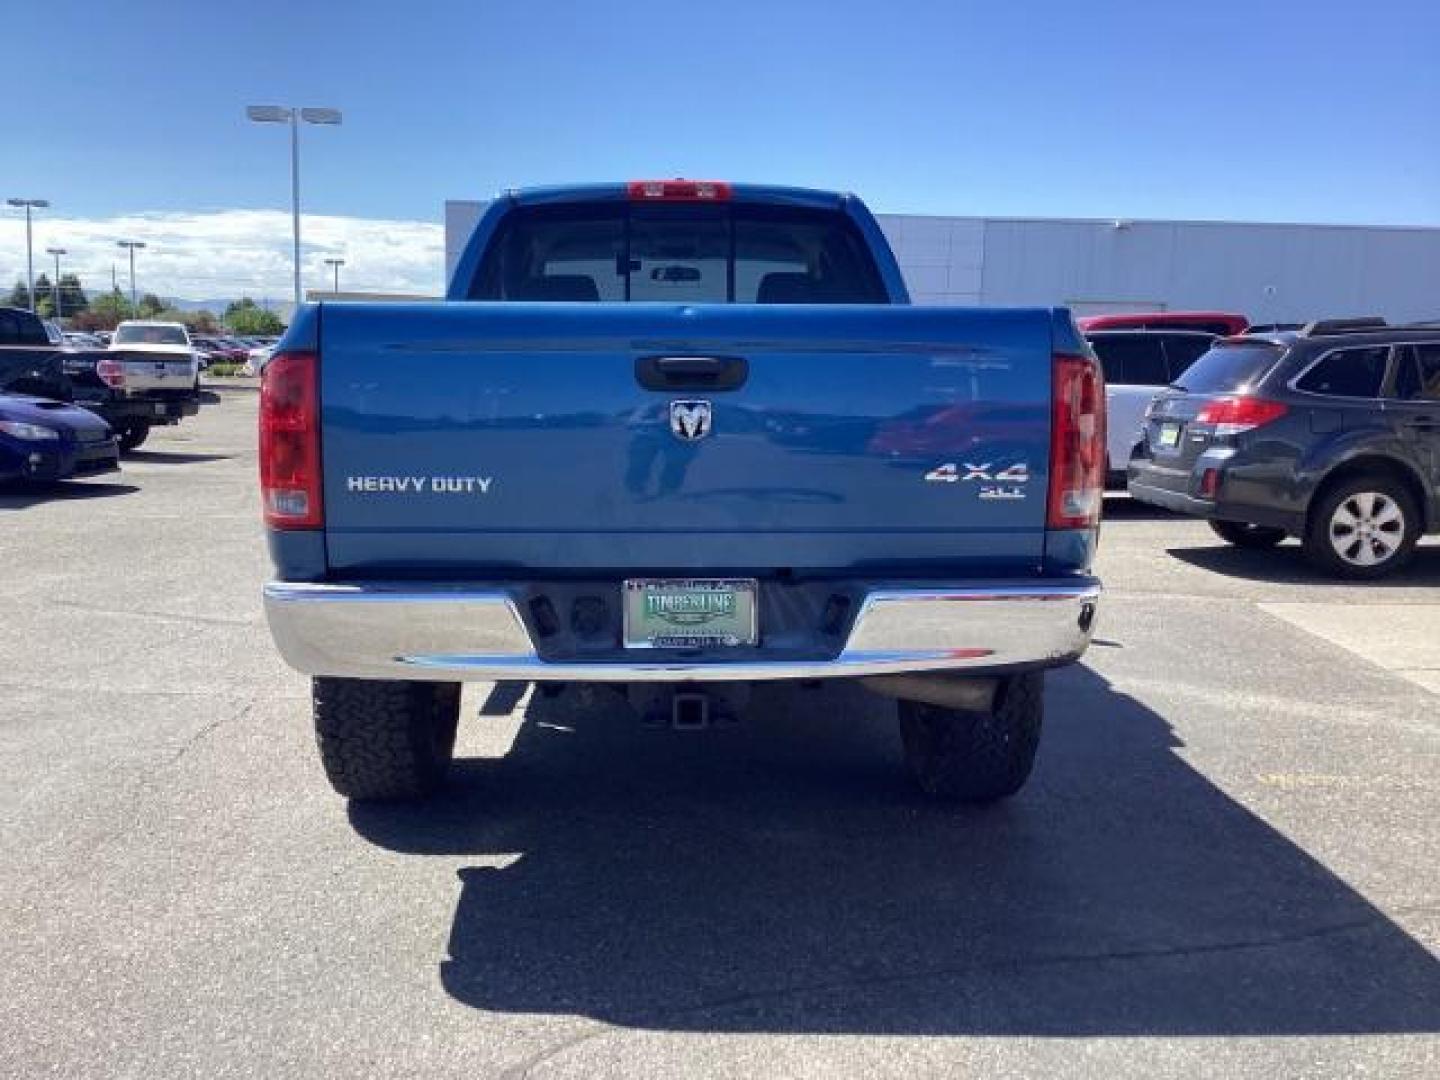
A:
[218,306]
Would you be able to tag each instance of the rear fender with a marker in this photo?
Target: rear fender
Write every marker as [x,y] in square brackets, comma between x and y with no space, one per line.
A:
[1365,451]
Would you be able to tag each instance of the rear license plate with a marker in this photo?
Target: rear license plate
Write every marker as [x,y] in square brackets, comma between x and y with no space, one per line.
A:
[1169,436]
[689,614]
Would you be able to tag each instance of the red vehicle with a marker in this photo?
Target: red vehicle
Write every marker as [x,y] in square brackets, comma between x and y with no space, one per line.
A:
[1224,323]
[222,349]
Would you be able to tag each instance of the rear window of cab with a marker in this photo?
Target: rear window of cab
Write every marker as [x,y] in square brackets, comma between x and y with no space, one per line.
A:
[150,335]
[688,254]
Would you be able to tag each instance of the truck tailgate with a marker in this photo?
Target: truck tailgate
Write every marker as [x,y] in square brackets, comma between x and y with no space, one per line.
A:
[519,438]
[145,371]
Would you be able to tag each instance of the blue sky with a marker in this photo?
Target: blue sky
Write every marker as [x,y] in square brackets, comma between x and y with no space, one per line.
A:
[1269,111]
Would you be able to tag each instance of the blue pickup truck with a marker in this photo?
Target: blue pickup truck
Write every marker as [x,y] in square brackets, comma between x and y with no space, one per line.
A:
[679,437]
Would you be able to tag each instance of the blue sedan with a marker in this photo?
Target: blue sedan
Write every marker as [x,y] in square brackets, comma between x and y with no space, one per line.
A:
[49,440]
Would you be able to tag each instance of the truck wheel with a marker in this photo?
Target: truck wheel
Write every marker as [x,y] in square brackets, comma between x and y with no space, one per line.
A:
[1363,527]
[962,756]
[1255,537]
[132,435]
[384,739]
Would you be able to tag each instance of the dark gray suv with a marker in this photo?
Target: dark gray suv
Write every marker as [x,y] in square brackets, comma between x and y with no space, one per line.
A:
[1331,434]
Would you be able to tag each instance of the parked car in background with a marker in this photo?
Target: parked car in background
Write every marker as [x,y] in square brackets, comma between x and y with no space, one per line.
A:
[1331,434]
[166,345]
[148,376]
[104,336]
[204,357]
[1211,322]
[1138,364]
[1273,328]
[220,349]
[257,358]
[29,362]
[45,440]
[77,339]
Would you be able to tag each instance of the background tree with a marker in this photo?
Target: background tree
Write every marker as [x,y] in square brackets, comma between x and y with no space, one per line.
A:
[106,310]
[201,322]
[44,296]
[72,295]
[151,306]
[19,296]
[244,316]
[88,320]
[197,322]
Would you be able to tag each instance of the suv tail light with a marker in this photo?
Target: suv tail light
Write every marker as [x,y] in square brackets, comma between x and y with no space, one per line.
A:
[1077,444]
[111,372]
[1232,415]
[290,442]
[679,190]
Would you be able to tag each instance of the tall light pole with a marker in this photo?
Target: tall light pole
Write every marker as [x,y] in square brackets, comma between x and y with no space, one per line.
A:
[335,265]
[280,114]
[132,245]
[55,283]
[29,205]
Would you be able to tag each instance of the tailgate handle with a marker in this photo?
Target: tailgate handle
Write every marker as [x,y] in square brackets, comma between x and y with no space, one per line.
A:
[692,372]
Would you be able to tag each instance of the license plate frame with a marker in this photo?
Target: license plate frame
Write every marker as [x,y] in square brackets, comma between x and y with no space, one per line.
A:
[1169,436]
[713,623]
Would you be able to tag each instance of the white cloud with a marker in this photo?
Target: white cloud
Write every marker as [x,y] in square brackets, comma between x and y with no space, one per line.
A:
[229,253]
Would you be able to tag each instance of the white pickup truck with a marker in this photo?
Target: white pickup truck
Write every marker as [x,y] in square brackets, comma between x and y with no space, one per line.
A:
[158,355]
[149,375]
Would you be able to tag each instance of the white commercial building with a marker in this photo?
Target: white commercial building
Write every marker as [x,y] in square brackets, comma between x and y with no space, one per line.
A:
[1270,272]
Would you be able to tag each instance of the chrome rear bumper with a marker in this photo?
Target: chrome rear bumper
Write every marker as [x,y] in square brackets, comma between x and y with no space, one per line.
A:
[376,630]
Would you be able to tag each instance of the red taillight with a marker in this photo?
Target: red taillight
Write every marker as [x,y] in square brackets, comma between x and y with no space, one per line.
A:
[1232,415]
[679,190]
[1077,444]
[111,372]
[290,442]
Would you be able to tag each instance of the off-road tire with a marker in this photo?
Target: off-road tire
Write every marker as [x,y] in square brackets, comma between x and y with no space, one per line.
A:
[132,435]
[385,740]
[1242,535]
[1318,546]
[976,757]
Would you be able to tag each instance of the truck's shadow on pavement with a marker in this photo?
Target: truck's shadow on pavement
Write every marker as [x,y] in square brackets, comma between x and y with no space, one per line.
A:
[783,878]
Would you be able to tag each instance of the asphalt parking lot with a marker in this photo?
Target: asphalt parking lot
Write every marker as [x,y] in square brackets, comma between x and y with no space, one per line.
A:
[1227,863]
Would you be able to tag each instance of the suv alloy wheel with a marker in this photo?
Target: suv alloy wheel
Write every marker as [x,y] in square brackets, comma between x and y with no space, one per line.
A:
[1363,527]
